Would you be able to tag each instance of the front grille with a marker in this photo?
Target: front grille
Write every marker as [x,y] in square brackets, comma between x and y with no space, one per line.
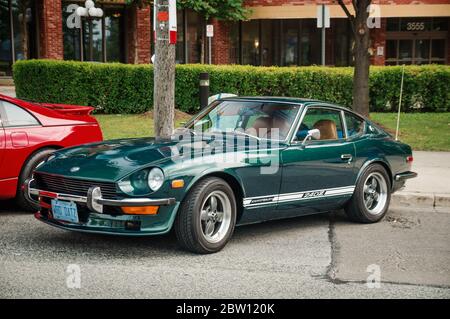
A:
[72,186]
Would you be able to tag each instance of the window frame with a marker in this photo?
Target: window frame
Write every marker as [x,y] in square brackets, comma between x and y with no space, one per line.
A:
[320,142]
[4,116]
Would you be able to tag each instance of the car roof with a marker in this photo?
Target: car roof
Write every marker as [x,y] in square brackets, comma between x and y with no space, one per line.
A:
[284,99]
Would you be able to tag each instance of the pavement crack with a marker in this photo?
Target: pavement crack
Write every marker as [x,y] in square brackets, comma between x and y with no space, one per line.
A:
[330,274]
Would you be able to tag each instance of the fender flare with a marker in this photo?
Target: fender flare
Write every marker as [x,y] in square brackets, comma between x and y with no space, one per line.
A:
[380,160]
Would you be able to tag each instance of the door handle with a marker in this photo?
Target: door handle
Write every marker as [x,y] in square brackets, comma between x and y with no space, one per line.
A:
[346,157]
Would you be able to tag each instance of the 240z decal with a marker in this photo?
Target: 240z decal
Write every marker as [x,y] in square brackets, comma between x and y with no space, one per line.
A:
[314,194]
[289,197]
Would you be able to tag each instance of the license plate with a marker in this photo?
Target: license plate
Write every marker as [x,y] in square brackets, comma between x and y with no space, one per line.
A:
[66,211]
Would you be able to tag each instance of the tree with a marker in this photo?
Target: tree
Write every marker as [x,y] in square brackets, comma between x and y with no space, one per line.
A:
[164,70]
[230,10]
[361,36]
[164,79]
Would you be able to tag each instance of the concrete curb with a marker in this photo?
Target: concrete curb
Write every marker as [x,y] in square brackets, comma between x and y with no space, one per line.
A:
[416,199]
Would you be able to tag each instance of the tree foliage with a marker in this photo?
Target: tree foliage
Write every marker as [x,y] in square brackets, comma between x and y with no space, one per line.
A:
[231,10]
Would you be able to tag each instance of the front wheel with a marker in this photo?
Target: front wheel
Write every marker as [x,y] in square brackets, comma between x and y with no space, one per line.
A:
[206,218]
[372,196]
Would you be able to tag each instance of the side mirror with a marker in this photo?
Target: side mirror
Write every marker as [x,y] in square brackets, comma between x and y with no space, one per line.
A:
[312,134]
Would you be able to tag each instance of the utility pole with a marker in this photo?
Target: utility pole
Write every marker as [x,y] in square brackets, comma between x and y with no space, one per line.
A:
[165,32]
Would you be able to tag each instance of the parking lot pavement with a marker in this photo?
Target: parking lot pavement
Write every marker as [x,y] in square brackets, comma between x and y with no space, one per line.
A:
[321,256]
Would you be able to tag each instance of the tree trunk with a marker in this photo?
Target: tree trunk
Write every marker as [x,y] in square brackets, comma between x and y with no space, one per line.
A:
[164,84]
[362,59]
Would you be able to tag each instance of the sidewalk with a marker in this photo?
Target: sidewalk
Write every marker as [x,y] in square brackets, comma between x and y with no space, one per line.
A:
[8,90]
[432,186]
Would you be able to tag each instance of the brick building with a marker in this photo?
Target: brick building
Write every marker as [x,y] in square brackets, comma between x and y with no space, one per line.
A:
[279,32]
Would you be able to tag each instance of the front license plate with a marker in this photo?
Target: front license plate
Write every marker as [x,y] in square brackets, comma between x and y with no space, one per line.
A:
[66,211]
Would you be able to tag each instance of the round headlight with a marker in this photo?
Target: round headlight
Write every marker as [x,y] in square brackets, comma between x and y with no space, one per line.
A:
[155,179]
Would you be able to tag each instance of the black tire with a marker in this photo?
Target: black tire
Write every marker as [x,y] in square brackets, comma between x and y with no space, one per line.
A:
[356,208]
[27,171]
[188,223]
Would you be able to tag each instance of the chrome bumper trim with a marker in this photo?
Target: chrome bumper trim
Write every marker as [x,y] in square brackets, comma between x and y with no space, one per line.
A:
[94,199]
[405,175]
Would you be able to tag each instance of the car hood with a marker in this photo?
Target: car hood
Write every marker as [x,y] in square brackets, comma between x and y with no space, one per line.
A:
[107,161]
[115,159]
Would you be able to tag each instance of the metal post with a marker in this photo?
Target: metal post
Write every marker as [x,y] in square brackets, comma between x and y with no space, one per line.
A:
[82,42]
[204,89]
[323,34]
[209,50]
[11,30]
[91,42]
[400,103]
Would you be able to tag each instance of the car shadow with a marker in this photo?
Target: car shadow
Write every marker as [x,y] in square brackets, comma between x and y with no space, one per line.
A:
[9,206]
[50,239]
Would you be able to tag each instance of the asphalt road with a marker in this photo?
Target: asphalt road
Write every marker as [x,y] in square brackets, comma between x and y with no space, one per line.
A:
[322,256]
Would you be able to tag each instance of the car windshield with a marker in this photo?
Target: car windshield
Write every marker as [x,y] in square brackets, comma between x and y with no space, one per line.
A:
[267,120]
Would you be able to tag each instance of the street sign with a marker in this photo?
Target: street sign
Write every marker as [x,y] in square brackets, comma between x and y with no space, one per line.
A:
[209,30]
[165,19]
[323,16]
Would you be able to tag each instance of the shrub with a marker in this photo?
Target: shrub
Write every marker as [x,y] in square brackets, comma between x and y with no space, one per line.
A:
[124,88]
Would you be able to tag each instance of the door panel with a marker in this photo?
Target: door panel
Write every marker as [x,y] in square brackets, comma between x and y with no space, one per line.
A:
[317,177]
[317,174]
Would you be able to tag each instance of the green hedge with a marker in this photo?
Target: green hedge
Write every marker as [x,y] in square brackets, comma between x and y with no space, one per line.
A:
[124,88]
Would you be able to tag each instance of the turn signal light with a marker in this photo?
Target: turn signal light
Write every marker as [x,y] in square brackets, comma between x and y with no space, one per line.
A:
[144,210]
[177,183]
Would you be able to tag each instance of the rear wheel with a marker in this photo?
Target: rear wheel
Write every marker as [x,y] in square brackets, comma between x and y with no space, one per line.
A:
[372,196]
[37,159]
[206,218]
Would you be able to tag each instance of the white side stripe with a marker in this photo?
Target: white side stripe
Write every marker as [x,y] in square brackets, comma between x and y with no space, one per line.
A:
[289,197]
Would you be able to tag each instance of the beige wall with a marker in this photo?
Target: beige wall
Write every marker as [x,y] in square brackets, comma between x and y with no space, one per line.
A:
[387,11]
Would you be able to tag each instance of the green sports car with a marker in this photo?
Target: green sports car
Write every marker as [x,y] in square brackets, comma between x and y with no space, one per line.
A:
[241,160]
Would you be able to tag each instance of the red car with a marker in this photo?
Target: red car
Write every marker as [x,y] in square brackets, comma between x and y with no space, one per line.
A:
[30,132]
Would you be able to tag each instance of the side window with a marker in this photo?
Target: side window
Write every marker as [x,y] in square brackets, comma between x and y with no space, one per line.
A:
[355,125]
[13,115]
[327,121]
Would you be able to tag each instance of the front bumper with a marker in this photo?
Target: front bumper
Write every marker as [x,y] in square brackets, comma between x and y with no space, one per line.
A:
[96,221]
[94,199]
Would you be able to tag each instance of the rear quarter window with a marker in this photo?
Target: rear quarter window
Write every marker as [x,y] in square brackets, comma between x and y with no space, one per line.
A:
[355,125]
[14,116]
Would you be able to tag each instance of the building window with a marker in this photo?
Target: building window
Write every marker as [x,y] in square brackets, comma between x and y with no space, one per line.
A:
[195,26]
[180,47]
[416,40]
[234,48]
[286,42]
[100,40]
[341,42]
[18,34]
[290,47]
[250,42]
